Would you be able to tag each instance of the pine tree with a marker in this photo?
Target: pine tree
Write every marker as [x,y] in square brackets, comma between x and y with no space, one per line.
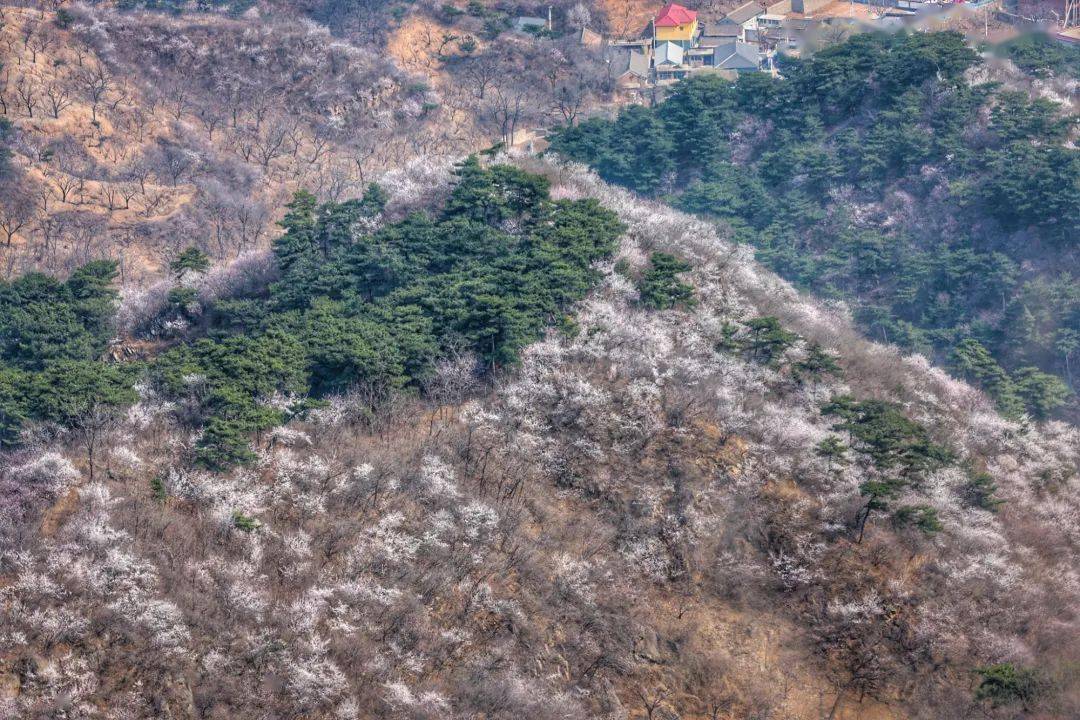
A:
[192,260]
[660,287]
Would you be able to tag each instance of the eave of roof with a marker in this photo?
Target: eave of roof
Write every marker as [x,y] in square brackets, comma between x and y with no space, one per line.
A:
[737,54]
[669,52]
[745,12]
[713,29]
[673,15]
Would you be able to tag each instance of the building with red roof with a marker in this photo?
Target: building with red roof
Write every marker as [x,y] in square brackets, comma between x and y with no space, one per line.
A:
[674,15]
[677,24]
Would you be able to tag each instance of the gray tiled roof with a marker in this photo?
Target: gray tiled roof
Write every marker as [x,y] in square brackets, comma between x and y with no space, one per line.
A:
[590,37]
[668,52]
[744,12]
[625,61]
[720,30]
[737,56]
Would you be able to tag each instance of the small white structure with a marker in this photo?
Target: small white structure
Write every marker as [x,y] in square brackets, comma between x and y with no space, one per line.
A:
[530,25]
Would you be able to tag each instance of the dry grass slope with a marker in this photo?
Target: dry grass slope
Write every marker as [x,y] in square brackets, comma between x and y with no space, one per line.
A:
[141,134]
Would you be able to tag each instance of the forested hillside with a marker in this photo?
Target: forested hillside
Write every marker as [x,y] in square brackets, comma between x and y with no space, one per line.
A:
[308,413]
[695,495]
[891,172]
[1041,55]
[334,312]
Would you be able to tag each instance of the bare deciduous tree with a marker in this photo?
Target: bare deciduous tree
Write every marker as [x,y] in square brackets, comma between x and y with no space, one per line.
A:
[26,89]
[40,42]
[210,119]
[18,208]
[110,194]
[507,105]
[5,81]
[481,72]
[271,143]
[96,81]
[174,161]
[59,96]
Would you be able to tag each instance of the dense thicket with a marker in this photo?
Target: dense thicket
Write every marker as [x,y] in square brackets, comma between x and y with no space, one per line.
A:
[352,305]
[1041,55]
[52,335]
[874,172]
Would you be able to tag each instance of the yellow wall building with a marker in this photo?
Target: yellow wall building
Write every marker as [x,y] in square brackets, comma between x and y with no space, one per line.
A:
[676,24]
